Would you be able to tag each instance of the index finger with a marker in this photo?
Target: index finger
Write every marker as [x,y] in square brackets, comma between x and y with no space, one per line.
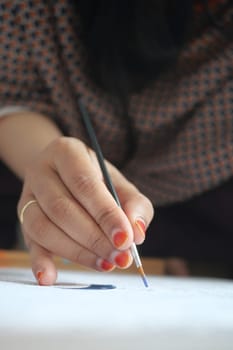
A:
[84,180]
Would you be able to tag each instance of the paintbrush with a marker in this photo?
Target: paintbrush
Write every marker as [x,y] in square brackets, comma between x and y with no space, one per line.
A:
[108,181]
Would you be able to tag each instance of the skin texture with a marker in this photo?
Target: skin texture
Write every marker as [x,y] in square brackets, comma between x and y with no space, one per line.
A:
[75,216]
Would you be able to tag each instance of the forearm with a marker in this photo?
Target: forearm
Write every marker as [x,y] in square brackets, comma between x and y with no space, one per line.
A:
[22,136]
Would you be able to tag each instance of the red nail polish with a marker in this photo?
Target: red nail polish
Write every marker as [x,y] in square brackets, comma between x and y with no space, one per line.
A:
[119,239]
[39,276]
[141,226]
[122,259]
[106,265]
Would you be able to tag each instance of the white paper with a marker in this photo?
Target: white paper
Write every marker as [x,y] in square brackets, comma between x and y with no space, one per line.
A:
[173,313]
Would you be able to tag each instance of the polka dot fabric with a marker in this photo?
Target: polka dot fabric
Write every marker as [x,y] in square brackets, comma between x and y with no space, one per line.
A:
[183,123]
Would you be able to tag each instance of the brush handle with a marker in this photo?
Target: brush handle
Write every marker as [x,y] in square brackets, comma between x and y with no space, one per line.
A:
[106,176]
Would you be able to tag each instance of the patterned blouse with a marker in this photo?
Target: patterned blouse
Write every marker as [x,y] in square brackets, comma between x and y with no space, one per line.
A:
[183,122]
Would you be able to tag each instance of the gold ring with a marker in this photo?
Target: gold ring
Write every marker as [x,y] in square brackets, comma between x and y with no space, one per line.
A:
[33,201]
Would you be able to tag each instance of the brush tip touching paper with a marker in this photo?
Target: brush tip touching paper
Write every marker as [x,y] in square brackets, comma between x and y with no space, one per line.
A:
[141,271]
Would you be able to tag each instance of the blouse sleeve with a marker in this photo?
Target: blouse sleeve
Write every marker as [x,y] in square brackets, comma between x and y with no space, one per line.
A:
[20,84]
[7,110]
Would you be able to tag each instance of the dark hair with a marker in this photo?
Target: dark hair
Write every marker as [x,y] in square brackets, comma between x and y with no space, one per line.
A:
[130,42]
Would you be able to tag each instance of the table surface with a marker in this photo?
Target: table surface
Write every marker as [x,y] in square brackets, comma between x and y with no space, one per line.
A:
[172,314]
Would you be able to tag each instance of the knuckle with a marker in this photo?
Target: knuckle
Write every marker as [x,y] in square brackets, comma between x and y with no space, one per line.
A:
[63,145]
[106,215]
[60,146]
[78,256]
[95,244]
[60,208]
[86,184]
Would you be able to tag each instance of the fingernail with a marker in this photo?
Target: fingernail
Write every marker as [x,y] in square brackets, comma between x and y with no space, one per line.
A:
[39,277]
[119,238]
[105,265]
[141,226]
[122,259]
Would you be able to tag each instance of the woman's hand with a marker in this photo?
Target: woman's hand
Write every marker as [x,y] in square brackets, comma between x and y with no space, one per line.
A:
[75,216]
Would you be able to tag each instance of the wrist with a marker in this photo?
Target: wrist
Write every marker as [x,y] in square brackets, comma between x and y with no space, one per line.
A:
[23,136]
